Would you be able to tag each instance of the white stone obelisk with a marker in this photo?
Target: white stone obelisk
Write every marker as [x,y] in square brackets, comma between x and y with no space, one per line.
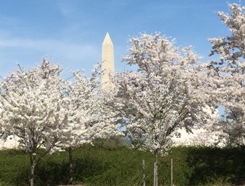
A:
[107,63]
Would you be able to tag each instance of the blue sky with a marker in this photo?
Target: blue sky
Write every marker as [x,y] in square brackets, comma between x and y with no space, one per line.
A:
[71,32]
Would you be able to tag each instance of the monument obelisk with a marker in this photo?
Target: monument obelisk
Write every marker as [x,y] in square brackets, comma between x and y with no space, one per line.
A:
[107,63]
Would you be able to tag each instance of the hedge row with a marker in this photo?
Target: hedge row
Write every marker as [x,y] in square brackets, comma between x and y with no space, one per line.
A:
[103,165]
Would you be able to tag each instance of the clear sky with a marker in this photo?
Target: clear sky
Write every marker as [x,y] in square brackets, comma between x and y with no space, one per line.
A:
[71,32]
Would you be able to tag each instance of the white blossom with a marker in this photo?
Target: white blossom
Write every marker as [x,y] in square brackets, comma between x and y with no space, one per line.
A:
[229,78]
[163,95]
[32,109]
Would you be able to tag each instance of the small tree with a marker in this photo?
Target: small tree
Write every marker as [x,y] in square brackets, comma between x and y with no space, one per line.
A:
[32,109]
[88,115]
[163,95]
[230,74]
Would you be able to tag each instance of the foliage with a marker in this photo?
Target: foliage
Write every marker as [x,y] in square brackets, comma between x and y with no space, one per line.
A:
[213,164]
[14,166]
[103,165]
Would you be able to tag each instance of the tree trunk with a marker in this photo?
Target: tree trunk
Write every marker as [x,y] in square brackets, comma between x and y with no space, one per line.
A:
[33,167]
[156,171]
[143,170]
[172,175]
[71,179]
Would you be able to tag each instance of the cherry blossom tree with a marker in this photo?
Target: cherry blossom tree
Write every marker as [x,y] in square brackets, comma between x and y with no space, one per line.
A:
[32,109]
[88,115]
[163,95]
[230,74]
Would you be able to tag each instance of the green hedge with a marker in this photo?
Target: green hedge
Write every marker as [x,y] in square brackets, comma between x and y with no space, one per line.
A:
[105,165]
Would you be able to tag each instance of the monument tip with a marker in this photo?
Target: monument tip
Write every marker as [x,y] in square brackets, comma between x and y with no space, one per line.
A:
[107,40]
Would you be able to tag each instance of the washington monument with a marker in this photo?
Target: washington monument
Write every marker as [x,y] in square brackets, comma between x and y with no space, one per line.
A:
[107,63]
